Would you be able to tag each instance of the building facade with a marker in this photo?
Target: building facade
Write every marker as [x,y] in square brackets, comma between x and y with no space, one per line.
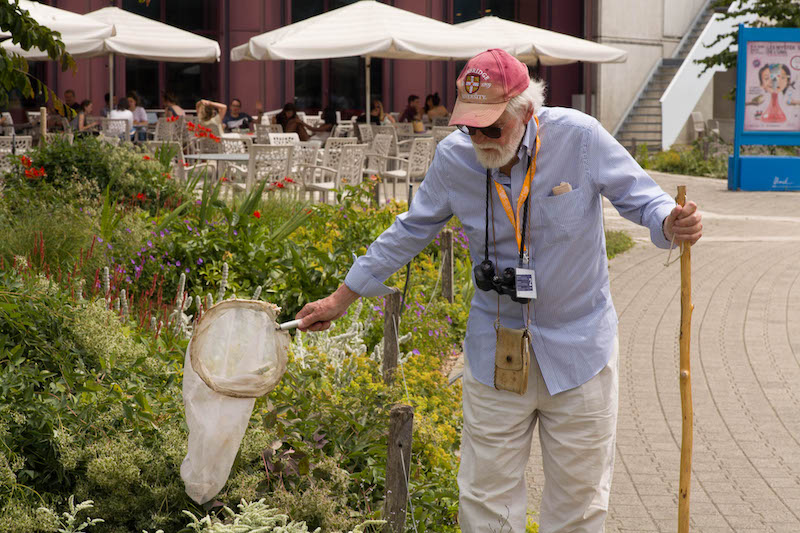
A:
[312,85]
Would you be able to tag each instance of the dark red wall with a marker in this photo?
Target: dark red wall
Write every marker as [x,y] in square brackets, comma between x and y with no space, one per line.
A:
[272,82]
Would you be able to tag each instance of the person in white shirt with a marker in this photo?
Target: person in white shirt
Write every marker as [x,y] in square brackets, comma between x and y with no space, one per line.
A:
[122,112]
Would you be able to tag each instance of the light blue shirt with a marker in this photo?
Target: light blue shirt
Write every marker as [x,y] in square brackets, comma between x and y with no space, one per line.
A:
[573,320]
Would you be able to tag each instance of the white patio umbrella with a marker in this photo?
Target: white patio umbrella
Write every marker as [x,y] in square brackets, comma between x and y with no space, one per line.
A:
[370,29]
[143,38]
[534,45]
[82,36]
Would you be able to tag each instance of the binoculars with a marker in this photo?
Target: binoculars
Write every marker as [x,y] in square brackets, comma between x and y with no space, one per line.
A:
[487,280]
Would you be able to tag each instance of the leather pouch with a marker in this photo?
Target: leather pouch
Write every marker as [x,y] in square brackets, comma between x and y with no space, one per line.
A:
[512,360]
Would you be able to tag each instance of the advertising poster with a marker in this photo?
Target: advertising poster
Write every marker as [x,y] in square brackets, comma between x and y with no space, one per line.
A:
[772,98]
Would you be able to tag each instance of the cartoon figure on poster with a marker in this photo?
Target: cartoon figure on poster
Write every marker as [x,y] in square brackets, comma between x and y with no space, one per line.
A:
[773,103]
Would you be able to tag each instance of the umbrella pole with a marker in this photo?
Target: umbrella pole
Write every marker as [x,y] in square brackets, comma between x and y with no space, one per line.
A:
[111,82]
[368,68]
[685,379]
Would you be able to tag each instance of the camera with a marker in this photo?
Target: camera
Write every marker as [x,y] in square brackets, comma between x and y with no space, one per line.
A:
[487,280]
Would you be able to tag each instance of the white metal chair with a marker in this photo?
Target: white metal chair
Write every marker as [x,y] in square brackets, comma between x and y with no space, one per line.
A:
[440,121]
[282,139]
[303,161]
[381,145]
[68,137]
[333,150]
[8,128]
[33,116]
[263,130]
[115,127]
[405,131]
[698,124]
[411,168]
[343,129]
[440,132]
[269,163]
[398,147]
[267,116]
[17,145]
[348,171]
[365,133]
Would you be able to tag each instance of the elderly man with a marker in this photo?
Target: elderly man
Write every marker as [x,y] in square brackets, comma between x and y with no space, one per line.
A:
[526,182]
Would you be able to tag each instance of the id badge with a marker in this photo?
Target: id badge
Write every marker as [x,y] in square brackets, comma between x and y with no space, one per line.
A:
[526,283]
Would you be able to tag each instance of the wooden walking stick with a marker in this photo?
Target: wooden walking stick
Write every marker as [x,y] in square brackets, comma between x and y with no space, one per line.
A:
[685,379]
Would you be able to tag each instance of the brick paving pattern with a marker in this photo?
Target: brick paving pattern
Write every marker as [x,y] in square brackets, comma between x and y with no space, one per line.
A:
[745,353]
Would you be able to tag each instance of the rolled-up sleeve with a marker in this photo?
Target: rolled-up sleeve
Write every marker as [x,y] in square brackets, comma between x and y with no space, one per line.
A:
[628,187]
[407,236]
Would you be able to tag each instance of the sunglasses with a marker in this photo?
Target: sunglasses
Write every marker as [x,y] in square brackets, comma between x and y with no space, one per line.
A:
[492,132]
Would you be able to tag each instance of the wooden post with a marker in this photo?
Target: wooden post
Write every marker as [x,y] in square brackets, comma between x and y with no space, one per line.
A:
[391,327]
[447,265]
[376,193]
[685,380]
[43,125]
[398,462]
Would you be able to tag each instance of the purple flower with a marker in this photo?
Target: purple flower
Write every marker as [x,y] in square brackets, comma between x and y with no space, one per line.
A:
[235,232]
[199,202]
[376,308]
[188,227]
[149,244]
[430,333]
[449,320]
[415,329]
[128,230]
[161,234]
[152,258]
[177,263]
[415,351]
[109,246]
[187,270]
[200,261]
[128,279]
[133,262]
[162,267]
[99,239]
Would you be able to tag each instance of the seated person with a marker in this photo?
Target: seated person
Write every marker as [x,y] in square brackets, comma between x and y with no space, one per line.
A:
[413,111]
[235,118]
[107,107]
[123,113]
[171,107]
[139,116]
[291,123]
[79,123]
[434,107]
[69,99]
[209,114]
[377,115]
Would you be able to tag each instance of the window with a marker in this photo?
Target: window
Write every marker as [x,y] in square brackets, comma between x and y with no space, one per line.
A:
[464,10]
[142,76]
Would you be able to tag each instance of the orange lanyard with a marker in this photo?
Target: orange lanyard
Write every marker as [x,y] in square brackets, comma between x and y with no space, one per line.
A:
[523,194]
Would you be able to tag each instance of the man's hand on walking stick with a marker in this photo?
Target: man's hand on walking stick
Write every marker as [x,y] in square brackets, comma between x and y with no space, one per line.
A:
[684,224]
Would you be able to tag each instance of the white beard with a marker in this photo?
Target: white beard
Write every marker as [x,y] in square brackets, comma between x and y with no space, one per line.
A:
[493,155]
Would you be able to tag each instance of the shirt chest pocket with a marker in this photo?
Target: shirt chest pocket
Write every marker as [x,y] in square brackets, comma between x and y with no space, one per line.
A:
[560,218]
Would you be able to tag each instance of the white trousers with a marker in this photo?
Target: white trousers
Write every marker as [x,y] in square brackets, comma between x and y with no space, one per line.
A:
[577,432]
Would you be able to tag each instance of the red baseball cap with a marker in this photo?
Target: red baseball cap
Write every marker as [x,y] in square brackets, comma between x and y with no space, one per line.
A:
[489,80]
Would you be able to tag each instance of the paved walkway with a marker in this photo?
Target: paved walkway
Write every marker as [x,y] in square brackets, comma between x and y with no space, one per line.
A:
[745,350]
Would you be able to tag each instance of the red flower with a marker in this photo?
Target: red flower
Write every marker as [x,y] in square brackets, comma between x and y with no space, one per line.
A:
[279,185]
[146,157]
[308,212]
[224,178]
[257,214]
[26,161]
[186,164]
[167,175]
[140,196]
[287,179]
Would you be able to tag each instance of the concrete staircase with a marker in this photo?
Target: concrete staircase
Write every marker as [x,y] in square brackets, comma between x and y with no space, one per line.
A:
[642,125]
